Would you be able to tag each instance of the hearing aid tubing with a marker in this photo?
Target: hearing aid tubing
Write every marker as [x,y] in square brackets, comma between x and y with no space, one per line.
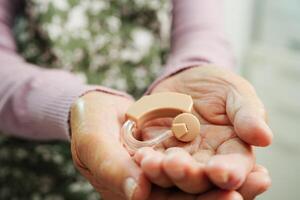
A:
[185,126]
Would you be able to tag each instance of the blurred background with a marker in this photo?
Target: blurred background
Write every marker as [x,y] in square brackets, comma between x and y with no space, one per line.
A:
[266,38]
[88,36]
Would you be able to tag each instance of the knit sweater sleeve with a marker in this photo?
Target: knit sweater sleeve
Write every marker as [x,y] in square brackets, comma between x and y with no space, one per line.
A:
[197,37]
[34,102]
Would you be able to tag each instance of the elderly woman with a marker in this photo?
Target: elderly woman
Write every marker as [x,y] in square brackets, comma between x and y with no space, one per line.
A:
[45,104]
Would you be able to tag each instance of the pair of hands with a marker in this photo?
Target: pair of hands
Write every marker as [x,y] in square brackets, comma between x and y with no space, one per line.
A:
[232,119]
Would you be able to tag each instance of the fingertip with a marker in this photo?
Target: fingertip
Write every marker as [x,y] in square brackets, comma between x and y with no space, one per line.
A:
[253,130]
[260,168]
[174,167]
[224,180]
[151,165]
[221,195]
[233,195]
[223,174]
[185,172]
[265,184]
[142,190]
[175,163]
[141,154]
[138,158]
[256,183]
[261,182]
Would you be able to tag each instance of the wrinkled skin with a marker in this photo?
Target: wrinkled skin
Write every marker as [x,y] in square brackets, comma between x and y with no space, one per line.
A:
[96,119]
[232,117]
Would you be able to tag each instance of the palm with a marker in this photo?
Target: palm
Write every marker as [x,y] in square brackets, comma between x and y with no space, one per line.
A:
[219,155]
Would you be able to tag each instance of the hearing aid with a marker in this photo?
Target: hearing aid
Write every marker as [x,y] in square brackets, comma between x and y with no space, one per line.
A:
[185,126]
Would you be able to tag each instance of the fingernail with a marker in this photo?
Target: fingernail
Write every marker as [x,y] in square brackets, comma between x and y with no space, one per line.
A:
[237,197]
[155,163]
[224,177]
[268,130]
[130,186]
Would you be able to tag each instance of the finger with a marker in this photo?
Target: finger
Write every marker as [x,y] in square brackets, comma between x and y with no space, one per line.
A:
[104,191]
[229,169]
[163,194]
[102,154]
[185,172]
[112,165]
[248,116]
[257,182]
[220,195]
[151,164]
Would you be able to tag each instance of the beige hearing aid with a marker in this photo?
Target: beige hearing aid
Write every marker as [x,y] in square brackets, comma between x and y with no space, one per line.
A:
[185,126]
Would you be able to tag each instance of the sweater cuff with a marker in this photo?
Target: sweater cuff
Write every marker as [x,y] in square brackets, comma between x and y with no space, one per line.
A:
[174,70]
[49,108]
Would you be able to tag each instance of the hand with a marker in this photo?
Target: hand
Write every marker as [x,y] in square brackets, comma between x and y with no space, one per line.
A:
[256,183]
[232,117]
[96,119]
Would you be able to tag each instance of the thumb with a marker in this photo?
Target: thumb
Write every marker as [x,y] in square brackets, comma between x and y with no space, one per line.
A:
[96,144]
[248,115]
[112,167]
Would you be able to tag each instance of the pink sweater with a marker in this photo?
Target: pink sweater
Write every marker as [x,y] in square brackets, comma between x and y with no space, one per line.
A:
[35,102]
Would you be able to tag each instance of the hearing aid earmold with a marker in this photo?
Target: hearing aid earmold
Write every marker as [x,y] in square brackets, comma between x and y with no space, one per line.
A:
[185,126]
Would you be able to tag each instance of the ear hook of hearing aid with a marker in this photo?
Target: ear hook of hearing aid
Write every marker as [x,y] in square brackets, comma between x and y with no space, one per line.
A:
[185,126]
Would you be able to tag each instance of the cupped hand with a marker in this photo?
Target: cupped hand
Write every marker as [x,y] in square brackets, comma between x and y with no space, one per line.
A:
[232,118]
[257,182]
[96,119]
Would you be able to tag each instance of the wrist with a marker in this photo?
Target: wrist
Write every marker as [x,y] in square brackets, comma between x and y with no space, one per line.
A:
[169,74]
[98,96]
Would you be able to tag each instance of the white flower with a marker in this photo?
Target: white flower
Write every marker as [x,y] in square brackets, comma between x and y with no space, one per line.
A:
[142,40]
[84,34]
[97,43]
[114,23]
[80,186]
[77,19]
[154,4]
[141,44]
[165,26]
[140,72]
[61,4]
[58,158]
[140,75]
[54,28]
[114,78]
[96,62]
[129,54]
[120,83]
[141,3]
[78,54]
[41,6]
[97,6]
